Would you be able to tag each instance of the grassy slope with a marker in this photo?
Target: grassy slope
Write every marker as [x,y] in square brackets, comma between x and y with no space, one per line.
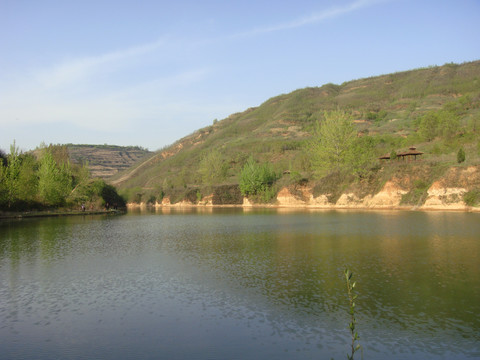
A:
[385,107]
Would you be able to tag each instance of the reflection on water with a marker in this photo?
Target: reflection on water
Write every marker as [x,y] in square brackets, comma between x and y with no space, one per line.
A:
[228,283]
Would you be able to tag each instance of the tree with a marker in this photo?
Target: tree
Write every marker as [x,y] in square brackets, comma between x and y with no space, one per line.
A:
[360,156]
[460,155]
[255,178]
[428,125]
[11,175]
[212,167]
[333,138]
[27,180]
[449,124]
[54,182]
[393,155]
[3,188]
[444,122]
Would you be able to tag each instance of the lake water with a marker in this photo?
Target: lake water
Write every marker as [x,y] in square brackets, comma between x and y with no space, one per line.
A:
[240,284]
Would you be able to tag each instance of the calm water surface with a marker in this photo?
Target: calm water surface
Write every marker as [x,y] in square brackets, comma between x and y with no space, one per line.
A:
[237,284]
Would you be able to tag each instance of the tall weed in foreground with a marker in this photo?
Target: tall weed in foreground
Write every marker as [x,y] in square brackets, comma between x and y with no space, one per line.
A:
[353,321]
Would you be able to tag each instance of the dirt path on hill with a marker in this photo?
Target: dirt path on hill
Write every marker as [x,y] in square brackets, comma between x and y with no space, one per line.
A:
[128,175]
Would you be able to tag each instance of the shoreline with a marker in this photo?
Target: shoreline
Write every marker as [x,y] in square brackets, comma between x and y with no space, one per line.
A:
[55,213]
[183,205]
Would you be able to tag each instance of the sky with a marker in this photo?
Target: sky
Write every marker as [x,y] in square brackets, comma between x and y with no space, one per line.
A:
[148,72]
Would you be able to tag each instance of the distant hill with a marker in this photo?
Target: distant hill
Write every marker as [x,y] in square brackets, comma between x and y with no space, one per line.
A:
[387,108]
[106,160]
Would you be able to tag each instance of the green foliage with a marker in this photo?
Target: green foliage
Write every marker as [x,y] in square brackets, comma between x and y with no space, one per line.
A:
[110,196]
[11,175]
[352,296]
[417,194]
[3,187]
[95,193]
[361,156]
[54,181]
[460,155]
[18,181]
[256,178]
[472,197]
[335,148]
[27,179]
[393,155]
[444,123]
[213,168]
[27,183]
[331,144]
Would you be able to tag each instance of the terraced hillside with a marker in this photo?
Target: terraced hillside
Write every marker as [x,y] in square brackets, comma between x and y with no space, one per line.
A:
[106,160]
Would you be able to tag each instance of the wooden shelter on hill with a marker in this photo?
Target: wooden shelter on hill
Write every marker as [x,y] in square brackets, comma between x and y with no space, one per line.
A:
[406,156]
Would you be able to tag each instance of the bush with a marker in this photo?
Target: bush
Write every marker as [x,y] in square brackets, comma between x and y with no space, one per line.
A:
[256,178]
[417,195]
[460,155]
[472,197]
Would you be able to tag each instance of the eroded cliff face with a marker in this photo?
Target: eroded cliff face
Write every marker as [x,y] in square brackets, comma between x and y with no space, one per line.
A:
[444,194]
[447,193]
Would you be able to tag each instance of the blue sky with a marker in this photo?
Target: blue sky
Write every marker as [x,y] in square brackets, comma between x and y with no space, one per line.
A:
[150,72]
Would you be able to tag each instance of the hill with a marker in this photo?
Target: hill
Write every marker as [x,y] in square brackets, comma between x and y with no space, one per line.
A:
[106,160]
[392,112]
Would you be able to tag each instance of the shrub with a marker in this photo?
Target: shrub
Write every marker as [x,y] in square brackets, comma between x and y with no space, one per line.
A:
[256,178]
[460,155]
[472,197]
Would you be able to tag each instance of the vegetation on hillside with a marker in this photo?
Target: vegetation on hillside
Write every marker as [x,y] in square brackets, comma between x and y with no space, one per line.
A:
[46,179]
[436,109]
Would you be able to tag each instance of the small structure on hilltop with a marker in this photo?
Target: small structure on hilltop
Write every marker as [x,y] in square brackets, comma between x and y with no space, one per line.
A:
[406,156]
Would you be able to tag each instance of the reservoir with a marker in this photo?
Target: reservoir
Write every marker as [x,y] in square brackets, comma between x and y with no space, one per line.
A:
[240,284]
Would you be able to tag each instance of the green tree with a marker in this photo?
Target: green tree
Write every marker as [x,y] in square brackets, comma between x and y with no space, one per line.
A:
[393,155]
[449,124]
[256,178]
[3,188]
[460,155]
[444,123]
[54,181]
[11,175]
[27,179]
[361,156]
[333,138]
[428,125]
[212,167]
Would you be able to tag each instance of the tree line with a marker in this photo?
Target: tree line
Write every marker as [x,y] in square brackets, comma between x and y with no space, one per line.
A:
[45,178]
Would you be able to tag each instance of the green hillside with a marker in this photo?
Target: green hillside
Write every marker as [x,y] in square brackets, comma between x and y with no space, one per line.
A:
[436,109]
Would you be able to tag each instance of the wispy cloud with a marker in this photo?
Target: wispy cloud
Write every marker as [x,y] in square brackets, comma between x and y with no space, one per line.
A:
[112,90]
[77,69]
[313,18]
[96,92]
